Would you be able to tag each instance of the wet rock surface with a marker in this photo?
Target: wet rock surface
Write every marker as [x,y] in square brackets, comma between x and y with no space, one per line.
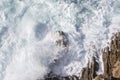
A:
[111,59]
[89,73]
[63,41]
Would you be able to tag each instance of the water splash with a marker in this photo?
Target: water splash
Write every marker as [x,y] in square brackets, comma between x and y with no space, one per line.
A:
[27,42]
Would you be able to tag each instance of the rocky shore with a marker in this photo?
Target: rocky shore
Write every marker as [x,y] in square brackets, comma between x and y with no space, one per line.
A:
[111,59]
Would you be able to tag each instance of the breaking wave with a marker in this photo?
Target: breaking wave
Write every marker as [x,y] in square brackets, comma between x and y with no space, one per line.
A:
[28,33]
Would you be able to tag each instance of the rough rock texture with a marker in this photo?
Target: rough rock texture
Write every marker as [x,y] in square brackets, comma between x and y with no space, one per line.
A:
[89,73]
[111,59]
[116,70]
[63,41]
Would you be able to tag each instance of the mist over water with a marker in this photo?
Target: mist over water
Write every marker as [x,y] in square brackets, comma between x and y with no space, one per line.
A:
[28,34]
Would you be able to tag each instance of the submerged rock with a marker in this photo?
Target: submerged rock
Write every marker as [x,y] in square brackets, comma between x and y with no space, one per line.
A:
[63,40]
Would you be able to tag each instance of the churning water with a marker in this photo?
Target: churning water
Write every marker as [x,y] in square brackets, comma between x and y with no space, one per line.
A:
[27,35]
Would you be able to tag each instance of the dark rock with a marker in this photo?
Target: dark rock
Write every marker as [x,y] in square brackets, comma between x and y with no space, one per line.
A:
[111,59]
[64,40]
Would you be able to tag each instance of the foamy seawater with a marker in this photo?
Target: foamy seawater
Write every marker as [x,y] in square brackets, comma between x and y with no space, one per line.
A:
[27,36]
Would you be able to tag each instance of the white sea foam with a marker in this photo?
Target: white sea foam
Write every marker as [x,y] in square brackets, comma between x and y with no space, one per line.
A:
[27,36]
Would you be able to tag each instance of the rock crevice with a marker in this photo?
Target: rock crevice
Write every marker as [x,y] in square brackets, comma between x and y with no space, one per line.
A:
[111,60]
